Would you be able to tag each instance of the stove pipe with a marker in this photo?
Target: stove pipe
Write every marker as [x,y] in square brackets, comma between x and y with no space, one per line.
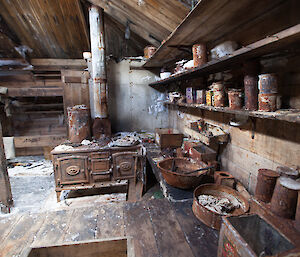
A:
[98,101]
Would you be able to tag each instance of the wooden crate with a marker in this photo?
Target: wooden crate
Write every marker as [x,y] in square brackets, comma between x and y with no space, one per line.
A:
[168,137]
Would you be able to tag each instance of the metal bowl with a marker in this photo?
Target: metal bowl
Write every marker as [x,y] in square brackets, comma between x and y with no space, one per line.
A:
[179,179]
[209,217]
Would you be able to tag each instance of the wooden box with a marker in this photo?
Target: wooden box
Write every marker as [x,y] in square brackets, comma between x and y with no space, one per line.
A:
[168,137]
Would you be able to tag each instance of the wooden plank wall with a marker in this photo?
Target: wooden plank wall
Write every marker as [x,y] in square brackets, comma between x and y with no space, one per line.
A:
[268,143]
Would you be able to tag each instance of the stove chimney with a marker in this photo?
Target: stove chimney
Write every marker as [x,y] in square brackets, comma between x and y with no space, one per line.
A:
[98,101]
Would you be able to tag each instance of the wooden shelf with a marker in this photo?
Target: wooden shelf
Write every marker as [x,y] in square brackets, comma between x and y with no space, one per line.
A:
[289,115]
[262,47]
[215,21]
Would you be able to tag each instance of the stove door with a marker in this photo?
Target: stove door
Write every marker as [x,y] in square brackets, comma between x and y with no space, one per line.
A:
[124,165]
[73,170]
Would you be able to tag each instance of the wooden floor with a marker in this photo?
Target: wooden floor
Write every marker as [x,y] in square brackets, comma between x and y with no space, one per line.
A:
[157,228]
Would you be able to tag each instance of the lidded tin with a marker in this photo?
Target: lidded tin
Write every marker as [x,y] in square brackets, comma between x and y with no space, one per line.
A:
[199,54]
[266,181]
[235,99]
[209,97]
[79,123]
[268,83]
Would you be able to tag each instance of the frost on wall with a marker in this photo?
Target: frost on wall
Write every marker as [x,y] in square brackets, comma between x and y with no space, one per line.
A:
[157,103]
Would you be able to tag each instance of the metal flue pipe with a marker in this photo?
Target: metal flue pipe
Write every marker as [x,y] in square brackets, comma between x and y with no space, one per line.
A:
[98,102]
[96,16]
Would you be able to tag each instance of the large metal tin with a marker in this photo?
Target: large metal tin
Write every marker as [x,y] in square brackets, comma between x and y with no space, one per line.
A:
[79,123]
[251,236]
[251,92]
[267,102]
[268,83]
[199,54]
[266,181]
[235,99]
[179,180]
[210,218]
[284,200]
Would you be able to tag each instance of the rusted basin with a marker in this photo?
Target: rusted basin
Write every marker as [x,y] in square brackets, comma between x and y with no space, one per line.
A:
[182,165]
[209,217]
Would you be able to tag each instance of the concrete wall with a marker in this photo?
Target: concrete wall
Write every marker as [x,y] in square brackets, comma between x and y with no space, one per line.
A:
[133,105]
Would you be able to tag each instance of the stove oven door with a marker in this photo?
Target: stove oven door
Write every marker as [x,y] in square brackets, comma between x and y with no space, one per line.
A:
[124,165]
[72,170]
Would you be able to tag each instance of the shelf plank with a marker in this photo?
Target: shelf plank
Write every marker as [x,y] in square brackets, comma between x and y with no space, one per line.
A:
[214,21]
[289,115]
[267,45]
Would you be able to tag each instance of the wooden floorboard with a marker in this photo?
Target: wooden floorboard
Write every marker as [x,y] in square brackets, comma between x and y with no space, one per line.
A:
[22,235]
[170,239]
[138,226]
[202,239]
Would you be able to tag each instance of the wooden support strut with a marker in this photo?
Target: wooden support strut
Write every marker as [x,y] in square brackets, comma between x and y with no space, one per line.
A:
[5,190]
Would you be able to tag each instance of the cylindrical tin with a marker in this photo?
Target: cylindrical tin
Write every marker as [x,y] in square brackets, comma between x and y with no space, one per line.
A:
[149,51]
[297,217]
[199,54]
[79,123]
[251,92]
[284,199]
[235,99]
[268,83]
[209,97]
[287,172]
[200,96]
[219,98]
[267,102]
[266,181]
[218,86]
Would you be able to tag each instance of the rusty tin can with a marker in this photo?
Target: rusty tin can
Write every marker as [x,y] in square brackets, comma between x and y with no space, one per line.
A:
[79,123]
[284,199]
[251,92]
[267,102]
[209,97]
[266,181]
[287,172]
[219,94]
[199,54]
[268,83]
[149,51]
[200,96]
[235,99]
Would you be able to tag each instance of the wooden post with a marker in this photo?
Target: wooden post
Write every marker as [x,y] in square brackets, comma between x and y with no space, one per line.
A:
[5,190]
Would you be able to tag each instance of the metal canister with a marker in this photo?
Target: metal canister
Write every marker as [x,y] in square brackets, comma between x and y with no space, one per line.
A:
[235,99]
[219,94]
[200,96]
[79,123]
[149,51]
[251,92]
[287,172]
[266,181]
[209,97]
[267,102]
[268,83]
[199,54]
[284,199]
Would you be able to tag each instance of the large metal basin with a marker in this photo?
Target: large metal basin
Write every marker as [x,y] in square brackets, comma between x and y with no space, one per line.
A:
[178,179]
[209,217]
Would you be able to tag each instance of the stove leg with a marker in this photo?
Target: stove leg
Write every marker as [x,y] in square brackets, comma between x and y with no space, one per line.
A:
[58,196]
